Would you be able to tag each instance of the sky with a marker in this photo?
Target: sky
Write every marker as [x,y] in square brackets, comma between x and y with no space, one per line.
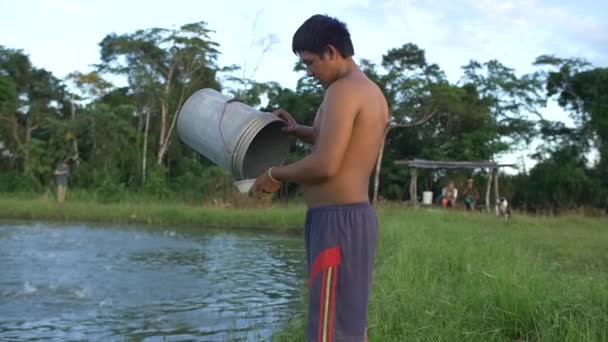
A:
[62,36]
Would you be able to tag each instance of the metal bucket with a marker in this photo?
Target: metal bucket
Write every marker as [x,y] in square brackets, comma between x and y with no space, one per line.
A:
[238,138]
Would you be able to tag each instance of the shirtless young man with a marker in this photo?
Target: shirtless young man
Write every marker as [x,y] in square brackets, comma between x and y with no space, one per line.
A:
[341,225]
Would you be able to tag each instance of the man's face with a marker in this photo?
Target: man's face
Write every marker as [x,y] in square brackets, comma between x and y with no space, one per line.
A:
[321,69]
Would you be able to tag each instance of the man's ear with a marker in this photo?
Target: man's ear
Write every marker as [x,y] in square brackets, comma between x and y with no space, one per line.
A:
[331,52]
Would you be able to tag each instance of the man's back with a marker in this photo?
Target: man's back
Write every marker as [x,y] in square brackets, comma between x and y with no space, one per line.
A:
[351,183]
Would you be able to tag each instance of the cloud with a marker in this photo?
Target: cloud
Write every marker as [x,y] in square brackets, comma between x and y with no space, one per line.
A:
[351,3]
[70,7]
[514,32]
[544,25]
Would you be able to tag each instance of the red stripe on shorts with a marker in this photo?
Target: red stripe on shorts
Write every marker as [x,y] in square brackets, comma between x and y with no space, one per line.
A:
[327,258]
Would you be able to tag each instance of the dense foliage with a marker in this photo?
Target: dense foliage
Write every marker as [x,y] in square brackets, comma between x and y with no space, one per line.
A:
[121,140]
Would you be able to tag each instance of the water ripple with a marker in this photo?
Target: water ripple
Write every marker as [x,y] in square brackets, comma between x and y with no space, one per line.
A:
[69,283]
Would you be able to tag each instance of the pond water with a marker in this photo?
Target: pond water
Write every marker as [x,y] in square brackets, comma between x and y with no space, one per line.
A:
[111,283]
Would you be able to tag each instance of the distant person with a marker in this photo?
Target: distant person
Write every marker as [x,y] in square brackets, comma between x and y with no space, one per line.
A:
[449,196]
[62,172]
[341,225]
[470,196]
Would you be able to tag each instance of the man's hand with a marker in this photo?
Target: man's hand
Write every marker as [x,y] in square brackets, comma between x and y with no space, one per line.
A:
[302,132]
[292,125]
[263,184]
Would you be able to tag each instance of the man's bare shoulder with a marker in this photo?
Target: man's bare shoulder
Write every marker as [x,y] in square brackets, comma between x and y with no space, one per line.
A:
[341,87]
[352,87]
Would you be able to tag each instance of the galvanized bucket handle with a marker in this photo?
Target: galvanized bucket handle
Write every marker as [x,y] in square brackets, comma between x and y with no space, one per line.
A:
[220,125]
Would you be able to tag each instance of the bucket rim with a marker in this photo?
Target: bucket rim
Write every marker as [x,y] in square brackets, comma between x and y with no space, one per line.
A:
[247,136]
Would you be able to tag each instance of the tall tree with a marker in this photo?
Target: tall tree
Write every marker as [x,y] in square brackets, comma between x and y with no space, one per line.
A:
[163,67]
[86,88]
[36,97]
[406,81]
[436,120]
[582,90]
[7,93]
[8,98]
[514,101]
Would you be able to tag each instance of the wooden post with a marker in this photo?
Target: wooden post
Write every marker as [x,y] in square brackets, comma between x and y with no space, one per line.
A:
[496,193]
[414,187]
[488,187]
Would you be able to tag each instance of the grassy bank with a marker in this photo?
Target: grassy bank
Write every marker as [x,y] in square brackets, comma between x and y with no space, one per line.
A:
[156,212]
[453,277]
[439,276]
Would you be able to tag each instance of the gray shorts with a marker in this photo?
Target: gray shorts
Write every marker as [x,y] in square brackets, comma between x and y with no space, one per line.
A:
[340,247]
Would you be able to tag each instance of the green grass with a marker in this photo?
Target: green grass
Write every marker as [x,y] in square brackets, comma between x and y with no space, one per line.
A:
[154,212]
[454,277]
[439,276]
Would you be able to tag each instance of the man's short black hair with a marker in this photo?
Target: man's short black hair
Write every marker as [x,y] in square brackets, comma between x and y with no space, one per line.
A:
[319,31]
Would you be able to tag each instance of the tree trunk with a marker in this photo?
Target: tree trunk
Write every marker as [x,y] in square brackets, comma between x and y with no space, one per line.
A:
[378,166]
[145,148]
[28,136]
[163,123]
[419,122]
[488,187]
[496,193]
[164,113]
[26,147]
[15,134]
[76,156]
[414,188]
[167,141]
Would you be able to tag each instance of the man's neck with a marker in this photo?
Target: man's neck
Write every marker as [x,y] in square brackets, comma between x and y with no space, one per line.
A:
[349,66]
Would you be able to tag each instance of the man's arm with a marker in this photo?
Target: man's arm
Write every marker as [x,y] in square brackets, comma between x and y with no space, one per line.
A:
[302,132]
[306,134]
[337,122]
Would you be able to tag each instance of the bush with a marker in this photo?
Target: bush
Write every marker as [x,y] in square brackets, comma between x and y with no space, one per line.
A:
[110,191]
[13,181]
[203,184]
[156,184]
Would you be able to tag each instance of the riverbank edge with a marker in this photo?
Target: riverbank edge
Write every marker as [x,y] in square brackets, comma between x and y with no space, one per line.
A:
[282,219]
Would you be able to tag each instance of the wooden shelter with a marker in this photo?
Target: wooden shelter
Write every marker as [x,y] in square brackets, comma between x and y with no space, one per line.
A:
[438,164]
